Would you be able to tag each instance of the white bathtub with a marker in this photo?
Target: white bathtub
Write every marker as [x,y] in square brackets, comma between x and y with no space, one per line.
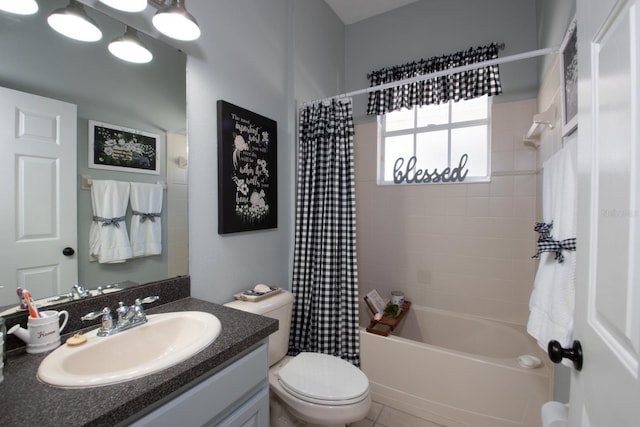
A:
[457,370]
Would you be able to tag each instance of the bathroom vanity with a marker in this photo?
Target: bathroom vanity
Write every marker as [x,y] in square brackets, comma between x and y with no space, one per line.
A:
[224,384]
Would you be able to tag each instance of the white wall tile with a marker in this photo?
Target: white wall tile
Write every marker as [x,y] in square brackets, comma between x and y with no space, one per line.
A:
[464,247]
[524,160]
[501,186]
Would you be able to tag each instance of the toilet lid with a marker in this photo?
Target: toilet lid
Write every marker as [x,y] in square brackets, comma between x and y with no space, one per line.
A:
[321,378]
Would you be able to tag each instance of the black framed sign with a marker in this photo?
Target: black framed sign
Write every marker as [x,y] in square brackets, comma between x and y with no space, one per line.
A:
[569,79]
[127,150]
[247,170]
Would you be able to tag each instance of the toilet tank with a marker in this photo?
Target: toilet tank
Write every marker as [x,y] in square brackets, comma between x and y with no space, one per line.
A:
[278,306]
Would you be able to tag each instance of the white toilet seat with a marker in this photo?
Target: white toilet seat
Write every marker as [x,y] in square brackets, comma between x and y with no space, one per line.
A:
[324,380]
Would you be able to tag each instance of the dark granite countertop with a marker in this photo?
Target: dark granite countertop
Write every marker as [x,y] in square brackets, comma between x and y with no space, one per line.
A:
[24,400]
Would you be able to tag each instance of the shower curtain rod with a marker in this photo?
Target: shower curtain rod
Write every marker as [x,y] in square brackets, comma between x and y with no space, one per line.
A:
[510,58]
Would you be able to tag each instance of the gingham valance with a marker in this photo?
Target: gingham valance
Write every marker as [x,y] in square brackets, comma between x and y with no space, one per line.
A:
[464,85]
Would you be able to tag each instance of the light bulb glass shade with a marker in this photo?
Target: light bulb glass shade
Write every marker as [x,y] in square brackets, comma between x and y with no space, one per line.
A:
[128,47]
[73,22]
[174,21]
[19,7]
[126,5]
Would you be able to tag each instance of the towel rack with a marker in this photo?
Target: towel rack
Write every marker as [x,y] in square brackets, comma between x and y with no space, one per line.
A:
[86,182]
[545,119]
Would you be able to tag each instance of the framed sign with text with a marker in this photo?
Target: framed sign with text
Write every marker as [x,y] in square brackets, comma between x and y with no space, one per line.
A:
[569,79]
[247,170]
[122,149]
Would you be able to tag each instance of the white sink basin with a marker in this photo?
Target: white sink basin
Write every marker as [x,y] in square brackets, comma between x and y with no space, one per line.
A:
[166,339]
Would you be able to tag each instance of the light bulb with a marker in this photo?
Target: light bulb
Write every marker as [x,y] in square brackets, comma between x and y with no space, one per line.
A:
[72,21]
[174,21]
[126,5]
[19,7]
[128,47]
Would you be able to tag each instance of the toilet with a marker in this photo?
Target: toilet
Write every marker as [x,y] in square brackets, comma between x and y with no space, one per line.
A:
[312,387]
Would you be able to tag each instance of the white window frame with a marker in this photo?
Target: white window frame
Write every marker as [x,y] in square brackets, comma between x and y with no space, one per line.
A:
[382,134]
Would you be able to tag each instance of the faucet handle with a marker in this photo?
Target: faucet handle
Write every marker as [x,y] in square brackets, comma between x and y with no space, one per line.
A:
[107,326]
[95,314]
[101,288]
[137,307]
[147,300]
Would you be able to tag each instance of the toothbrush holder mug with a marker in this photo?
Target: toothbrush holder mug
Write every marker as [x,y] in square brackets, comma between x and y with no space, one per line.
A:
[42,333]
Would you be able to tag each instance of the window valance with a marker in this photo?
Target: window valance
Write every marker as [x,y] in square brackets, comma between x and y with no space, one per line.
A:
[464,85]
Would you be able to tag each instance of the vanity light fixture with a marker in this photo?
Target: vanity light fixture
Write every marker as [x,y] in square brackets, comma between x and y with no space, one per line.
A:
[72,21]
[20,7]
[130,48]
[126,5]
[174,21]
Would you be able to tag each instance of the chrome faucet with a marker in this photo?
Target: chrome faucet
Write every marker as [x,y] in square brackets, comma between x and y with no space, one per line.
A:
[128,317]
[80,291]
[77,292]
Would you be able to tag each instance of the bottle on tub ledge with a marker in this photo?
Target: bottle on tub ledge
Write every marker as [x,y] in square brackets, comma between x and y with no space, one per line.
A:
[397,298]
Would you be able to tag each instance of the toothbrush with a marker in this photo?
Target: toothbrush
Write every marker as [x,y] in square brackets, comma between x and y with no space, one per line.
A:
[23,303]
[33,309]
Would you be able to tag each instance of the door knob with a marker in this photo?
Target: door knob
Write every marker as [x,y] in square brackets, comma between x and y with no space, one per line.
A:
[557,353]
[68,251]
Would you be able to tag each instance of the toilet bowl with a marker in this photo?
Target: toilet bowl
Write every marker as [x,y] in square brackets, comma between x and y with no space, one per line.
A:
[313,387]
[315,393]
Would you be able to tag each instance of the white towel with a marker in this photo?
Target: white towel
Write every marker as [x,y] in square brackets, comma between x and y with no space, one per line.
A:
[552,300]
[108,238]
[146,224]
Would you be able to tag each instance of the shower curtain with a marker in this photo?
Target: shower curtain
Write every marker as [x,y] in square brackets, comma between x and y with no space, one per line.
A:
[325,276]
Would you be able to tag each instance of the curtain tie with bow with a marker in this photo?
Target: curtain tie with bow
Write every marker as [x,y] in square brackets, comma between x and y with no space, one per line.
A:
[146,216]
[109,221]
[544,229]
[547,244]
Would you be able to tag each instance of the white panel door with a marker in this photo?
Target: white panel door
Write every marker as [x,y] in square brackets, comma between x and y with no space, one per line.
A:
[38,203]
[607,322]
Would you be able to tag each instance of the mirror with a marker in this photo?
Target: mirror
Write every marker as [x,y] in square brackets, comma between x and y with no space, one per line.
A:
[149,97]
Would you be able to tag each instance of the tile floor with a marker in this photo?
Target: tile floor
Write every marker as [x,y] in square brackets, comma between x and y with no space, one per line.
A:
[385,416]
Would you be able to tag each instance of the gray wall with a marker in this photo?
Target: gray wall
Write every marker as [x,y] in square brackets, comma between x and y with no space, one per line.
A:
[434,27]
[554,17]
[262,56]
[148,97]
[319,51]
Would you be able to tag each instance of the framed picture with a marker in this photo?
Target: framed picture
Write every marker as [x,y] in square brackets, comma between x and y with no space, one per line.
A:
[569,79]
[127,150]
[247,170]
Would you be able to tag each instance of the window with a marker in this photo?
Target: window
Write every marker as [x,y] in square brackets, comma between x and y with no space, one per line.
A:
[435,143]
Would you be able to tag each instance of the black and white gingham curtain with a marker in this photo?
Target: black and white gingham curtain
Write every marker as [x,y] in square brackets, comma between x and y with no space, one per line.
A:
[465,85]
[325,275]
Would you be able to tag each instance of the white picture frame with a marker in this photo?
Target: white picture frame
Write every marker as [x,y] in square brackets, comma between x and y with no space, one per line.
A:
[114,147]
[569,79]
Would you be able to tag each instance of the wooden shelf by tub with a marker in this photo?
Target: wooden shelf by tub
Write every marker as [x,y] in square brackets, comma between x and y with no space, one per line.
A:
[388,323]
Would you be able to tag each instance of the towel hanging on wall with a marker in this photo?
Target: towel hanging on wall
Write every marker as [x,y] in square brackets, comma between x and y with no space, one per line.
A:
[146,226]
[108,238]
[552,300]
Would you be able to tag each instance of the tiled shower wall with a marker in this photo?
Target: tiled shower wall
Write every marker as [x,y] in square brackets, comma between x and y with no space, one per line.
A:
[460,247]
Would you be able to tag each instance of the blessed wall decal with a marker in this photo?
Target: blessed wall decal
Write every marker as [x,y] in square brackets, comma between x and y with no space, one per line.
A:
[409,174]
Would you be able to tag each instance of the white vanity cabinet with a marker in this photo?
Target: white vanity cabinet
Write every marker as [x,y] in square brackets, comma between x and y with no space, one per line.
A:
[237,395]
